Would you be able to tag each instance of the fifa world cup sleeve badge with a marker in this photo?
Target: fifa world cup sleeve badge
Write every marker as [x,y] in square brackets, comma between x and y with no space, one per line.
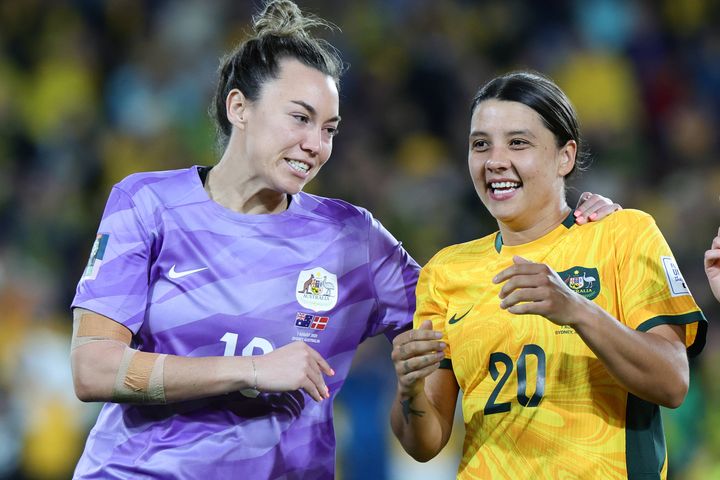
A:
[96,256]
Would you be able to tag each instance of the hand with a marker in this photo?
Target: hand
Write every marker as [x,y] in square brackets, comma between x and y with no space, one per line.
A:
[535,288]
[712,266]
[592,207]
[416,354]
[292,367]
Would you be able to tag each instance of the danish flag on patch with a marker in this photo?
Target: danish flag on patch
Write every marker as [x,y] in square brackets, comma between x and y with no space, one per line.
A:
[319,323]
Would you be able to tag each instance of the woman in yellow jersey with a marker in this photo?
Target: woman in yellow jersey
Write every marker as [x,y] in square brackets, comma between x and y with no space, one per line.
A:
[564,339]
[712,266]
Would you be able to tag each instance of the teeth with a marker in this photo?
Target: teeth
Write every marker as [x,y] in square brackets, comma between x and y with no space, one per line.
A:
[504,185]
[299,166]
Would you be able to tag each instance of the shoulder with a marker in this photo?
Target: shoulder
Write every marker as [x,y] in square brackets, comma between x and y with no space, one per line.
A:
[462,252]
[165,187]
[620,224]
[630,216]
[333,210]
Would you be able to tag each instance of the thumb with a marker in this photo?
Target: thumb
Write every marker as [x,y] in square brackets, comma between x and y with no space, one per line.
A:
[426,325]
[517,259]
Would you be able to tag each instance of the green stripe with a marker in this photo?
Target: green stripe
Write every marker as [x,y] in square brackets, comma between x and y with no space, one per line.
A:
[568,222]
[684,319]
[446,363]
[644,440]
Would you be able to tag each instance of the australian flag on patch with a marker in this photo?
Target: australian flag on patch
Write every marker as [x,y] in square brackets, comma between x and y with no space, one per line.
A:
[308,320]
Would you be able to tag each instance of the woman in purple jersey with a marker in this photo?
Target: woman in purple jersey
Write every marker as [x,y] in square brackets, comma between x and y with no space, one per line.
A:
[221,307]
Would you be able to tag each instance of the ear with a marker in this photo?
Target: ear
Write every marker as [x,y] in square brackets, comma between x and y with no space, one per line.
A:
[567,158]
[235,108]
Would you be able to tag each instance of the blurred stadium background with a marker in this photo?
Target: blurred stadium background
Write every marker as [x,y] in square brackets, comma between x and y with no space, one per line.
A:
[92,90]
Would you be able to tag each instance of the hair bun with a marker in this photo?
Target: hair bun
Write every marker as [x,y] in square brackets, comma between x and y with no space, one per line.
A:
[283,18]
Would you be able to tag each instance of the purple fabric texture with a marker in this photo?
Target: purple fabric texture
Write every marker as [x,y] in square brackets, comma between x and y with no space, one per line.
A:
[192,278]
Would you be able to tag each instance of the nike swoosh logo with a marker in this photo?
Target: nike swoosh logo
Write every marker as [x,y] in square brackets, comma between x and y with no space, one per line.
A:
[174,274]
[455,320]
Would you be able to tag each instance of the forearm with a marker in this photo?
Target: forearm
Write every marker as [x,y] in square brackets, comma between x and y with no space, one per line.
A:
[648,365]
[97,374]
[418,426]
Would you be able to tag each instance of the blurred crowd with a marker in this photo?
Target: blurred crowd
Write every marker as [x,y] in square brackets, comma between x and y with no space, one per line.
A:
[93,90]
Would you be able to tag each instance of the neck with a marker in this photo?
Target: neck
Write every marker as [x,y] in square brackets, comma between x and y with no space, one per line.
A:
[227,186]
[544,224]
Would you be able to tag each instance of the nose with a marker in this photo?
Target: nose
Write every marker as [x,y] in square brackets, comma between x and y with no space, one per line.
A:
[497,162]
[312,143]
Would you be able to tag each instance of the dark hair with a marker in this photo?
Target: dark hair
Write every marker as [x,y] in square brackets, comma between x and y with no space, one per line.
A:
[280,31]
[547,99]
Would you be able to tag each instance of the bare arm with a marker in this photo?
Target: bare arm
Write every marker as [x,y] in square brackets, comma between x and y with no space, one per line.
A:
[712,266]
[96,365]
[652,365]
[424,407]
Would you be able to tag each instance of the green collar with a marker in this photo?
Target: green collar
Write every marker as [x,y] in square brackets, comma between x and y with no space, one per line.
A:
[568,222]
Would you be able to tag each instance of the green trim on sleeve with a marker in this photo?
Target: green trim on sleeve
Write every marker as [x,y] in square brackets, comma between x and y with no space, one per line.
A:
[446,363]
[684,319]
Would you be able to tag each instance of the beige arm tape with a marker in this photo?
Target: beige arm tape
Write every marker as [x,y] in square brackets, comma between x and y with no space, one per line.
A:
[140,376]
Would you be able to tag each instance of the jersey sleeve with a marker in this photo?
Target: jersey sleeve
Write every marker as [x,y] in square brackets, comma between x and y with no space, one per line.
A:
[431,305]
[393,277]
[115,281]
[653,291]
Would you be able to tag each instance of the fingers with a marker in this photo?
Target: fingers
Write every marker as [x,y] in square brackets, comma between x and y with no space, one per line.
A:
[426,325]
[416,354]
[517,282]
[315,386]
[716,242]
[415,348]
[409,379]
[318,366]
[526,294]
[321,362]
[518,260]
[711,258]
[593,207]
[520,266]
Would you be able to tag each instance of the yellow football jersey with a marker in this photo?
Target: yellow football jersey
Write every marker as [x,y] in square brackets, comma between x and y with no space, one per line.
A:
[537,402]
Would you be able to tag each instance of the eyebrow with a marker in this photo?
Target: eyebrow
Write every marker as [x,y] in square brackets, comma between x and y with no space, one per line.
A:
[480,133]
[312,110]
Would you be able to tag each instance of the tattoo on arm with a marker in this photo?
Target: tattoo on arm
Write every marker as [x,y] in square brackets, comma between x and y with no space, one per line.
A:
[407,410]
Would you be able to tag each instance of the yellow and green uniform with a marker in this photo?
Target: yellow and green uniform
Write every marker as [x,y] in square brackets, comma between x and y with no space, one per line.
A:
[537,402]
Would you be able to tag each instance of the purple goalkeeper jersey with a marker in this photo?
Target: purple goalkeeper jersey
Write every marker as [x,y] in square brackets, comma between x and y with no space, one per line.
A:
[190,277]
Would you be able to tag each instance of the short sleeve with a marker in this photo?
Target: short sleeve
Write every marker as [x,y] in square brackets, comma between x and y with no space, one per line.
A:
[393,276]
[115,280]
[653,291]
[431,305]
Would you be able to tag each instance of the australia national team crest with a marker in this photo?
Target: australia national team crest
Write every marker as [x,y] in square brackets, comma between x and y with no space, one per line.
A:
[317,289]
[584,281]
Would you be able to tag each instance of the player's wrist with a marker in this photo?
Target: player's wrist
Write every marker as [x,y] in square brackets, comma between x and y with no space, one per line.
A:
[411,391]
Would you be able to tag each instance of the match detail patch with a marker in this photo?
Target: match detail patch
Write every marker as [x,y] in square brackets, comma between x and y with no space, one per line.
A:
[676,282]
[96,256]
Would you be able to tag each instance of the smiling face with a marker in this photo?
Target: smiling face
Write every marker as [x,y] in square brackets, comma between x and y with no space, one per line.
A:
[287,133]
[517,167]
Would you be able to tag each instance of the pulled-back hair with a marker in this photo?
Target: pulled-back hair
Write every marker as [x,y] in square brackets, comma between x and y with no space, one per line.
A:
[280,31]
[547,99]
